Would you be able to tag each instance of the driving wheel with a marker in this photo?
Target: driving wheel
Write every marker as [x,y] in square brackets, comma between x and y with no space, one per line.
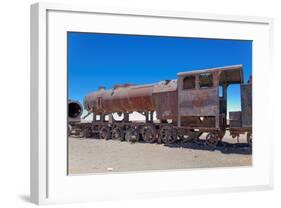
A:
[132,135]
[118,134]
[212,139]
[168,135]
[104,133]
[149,134]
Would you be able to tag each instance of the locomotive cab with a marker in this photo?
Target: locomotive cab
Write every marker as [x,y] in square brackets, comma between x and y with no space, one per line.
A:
[200,105]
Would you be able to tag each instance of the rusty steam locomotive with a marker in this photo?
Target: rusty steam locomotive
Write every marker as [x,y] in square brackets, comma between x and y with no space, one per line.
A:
[185,108]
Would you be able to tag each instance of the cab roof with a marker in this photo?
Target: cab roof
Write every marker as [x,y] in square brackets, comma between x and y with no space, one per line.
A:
[228,74]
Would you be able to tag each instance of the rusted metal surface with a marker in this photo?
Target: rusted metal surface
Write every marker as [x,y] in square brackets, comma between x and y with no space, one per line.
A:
[124,98]
[196,122]
[246,104]
[230,74]
[235,119]
[160,97]
[165,99]
[169,99]
[202,99]
[185,108]
[198,102]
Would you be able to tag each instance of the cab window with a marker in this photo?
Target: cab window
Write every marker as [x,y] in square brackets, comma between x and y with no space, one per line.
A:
[189,82]
[206,80]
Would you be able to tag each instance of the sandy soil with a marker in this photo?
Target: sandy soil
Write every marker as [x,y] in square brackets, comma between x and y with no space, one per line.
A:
[97,156]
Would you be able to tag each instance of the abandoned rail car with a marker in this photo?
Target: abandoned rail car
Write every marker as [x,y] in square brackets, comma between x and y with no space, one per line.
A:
[185,108]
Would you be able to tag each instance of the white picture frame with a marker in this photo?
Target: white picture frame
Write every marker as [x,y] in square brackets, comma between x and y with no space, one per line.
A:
[49,180]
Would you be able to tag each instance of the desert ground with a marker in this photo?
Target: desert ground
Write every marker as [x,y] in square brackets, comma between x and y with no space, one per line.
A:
[99,156]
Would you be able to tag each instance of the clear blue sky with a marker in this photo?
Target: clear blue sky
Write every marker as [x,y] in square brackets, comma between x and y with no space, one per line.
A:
[107,59]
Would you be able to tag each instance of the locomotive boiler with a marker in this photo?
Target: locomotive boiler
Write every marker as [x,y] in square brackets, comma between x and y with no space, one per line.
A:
[159,97]
[186,107]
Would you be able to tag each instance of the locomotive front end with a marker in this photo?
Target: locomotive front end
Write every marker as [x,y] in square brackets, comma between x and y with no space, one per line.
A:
[75,110]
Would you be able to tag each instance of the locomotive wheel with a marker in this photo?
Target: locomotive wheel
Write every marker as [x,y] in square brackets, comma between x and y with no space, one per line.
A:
[132,135]
[87,133]
[168,135]
[149,134]
[104,133]
[249,138]
[212,139]
[118,133]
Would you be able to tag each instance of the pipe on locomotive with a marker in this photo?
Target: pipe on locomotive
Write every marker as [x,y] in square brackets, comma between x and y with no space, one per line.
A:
[75,109]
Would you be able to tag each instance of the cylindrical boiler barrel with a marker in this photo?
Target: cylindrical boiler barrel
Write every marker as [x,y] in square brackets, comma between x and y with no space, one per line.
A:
[121,99]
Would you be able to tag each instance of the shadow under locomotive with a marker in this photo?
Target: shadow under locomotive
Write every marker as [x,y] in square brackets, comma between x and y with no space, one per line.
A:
[223,147]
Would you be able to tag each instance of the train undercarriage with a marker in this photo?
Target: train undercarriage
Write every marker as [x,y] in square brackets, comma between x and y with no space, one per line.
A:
[153,132]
